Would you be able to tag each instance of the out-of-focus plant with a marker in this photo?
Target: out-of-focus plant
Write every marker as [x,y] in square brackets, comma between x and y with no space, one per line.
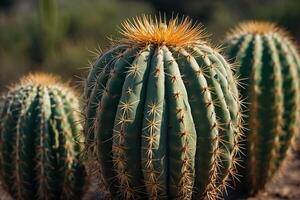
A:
[81,26]
[45,33]
[269,66]
[49,21]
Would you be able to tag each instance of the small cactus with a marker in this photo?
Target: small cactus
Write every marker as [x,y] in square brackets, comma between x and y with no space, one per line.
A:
[270,68]
[39,157]
[164,112]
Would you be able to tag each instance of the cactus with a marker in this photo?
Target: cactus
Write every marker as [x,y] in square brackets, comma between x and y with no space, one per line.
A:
[164,113]
[269,66]
[48,24]
[39,157]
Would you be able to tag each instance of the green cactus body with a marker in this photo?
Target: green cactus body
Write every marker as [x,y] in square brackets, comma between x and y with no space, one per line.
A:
[39,157]
[269,66]
[164,110]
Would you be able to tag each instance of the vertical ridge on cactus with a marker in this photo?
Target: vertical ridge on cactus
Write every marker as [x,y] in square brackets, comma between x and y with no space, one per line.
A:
[164,113]
[39,157]
[269,64]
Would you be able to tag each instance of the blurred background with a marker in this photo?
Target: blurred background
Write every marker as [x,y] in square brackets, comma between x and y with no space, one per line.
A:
[60,36]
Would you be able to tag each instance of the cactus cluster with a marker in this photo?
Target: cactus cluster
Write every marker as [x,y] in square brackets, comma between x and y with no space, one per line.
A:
[163,116]
[270,68]
[39,157]
[164,112]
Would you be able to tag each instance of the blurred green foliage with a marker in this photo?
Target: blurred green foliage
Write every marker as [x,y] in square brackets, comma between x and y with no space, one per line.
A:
[58,35]
[32,39]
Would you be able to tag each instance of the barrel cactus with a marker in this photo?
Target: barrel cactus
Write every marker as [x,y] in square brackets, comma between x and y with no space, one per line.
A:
[39,130]
[270,67]
[164,112]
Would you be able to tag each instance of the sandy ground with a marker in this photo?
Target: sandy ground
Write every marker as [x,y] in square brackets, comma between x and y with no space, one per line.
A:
[284,186]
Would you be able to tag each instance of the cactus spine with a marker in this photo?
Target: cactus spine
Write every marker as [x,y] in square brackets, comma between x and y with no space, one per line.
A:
[39,158]
[270,67]
[164,111]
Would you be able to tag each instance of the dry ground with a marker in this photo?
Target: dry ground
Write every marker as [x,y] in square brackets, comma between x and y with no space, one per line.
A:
[286,185]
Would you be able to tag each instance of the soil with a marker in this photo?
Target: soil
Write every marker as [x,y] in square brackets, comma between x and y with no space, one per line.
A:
[284,186]
[287,183]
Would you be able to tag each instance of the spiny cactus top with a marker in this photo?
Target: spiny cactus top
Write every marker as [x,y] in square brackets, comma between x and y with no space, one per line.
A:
[164,110]
[270,67]
[39,157]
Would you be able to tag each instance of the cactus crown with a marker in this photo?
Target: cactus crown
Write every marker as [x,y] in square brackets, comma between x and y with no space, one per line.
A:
[176,32]
[257,27]
[42,79]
